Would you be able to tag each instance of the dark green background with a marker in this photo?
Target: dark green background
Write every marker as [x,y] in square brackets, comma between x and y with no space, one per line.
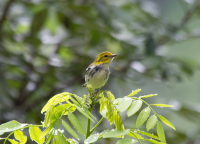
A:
[46,45]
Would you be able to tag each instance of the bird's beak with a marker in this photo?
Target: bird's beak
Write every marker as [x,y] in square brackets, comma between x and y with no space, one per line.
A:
[114,55]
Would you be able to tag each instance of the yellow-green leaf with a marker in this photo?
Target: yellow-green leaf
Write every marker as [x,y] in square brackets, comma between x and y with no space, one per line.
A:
[1,133]
[111,96]
[162,105]
[49,137]
[13,141]
[148,134]
[125,141]
[20,137]
[115,133]
[62,139]
[134,92]
[72,141]
[49,116]
[85,109]
[164,120]
[151,122]
[35,133]
[135,135]
[75,122]
[146,96]
[79,99]
[92,138]
[160,132]
[134,107]
[11,126]
[46,131]
[66,107]
[55,100]
[81,110]
[69,129]
[74,100]
[154,141]
[124,104]
[144,114]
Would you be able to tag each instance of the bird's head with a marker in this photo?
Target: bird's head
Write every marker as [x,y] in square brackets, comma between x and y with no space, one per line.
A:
[104,58]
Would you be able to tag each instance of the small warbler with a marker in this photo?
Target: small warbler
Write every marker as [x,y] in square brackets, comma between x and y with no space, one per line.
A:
[98,72]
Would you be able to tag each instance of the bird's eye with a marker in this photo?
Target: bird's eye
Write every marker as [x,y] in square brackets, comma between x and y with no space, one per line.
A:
[106,56]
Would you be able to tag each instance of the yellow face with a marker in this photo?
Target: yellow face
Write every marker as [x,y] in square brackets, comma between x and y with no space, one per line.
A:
[105,57]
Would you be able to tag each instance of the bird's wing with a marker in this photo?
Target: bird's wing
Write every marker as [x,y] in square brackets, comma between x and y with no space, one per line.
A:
[89,67]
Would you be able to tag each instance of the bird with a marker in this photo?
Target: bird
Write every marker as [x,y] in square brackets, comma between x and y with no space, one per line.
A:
[97,73]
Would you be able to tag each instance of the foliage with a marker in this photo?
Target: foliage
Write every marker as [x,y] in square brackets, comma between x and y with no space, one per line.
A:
[46,45]
[66,103]
[41,44]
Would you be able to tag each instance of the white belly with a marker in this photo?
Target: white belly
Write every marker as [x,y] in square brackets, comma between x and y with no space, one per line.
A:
[98,79]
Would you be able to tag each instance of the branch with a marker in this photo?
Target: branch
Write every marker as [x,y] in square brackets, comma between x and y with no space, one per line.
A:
[188,14]
[5,13]
[183,21]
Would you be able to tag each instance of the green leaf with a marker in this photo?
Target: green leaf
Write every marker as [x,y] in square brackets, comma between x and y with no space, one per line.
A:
[13,141]
[134,107]
[20,137]
[154,141]
[144,114]
[110,112]
[134,92]
[46,131]
[146,96]
[115,133]
[164,120]
[69,129]
[73,141]
[11,126]
[124,104]
[88,112]
[49,117]
[116,101]
[162,105]
[56,139]
[110,95]
[125,141]
[160,132]
[84,113]
[49,137]
[92,138]
[1,133]
[74,101]
[148,134]
[66,107]
[62,139]
[75,123]
[79,99]
[35,133]
[55,100]
[135,135]
[38,21]
[151,122]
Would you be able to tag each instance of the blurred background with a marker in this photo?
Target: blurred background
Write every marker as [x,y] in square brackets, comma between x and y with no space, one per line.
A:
[46,45]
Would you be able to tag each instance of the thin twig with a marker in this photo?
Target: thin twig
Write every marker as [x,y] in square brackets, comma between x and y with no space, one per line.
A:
[183,21]
[96,125]
[4,14]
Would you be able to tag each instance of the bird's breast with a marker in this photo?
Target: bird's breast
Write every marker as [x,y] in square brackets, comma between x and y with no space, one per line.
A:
[97,76]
